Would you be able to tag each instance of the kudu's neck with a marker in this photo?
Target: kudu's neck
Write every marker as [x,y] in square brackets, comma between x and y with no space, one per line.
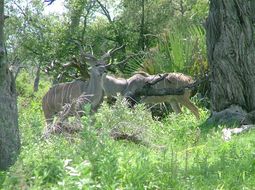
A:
[113,85]
[118,81]
[95,90]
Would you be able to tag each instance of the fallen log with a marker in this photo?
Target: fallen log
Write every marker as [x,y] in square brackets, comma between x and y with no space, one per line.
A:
[227,132]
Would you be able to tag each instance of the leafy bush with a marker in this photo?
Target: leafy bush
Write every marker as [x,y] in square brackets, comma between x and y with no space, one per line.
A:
[23,85]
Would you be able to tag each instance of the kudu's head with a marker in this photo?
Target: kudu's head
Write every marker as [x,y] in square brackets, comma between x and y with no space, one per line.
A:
[98,66]
[78,93]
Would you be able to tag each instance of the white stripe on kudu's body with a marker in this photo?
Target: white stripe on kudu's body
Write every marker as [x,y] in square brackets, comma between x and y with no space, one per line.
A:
[89,91]
[59,95]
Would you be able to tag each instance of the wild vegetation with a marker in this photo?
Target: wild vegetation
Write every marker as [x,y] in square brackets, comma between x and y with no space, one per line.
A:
[117,147]
[177,152]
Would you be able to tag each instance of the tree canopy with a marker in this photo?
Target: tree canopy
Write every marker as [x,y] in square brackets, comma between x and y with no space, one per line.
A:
[45,40]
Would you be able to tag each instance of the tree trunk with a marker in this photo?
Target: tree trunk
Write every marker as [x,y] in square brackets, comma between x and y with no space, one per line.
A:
[76,13]
[37,78]
[141,41]
[231,54]
[9,134]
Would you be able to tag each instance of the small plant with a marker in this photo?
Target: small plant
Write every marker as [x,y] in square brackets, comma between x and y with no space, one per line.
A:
[2,178]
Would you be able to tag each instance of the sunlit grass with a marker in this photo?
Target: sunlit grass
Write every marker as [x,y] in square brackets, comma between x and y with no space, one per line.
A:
[175,153]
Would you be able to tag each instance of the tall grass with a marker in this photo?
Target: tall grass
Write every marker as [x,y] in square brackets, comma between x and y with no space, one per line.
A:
[173,154]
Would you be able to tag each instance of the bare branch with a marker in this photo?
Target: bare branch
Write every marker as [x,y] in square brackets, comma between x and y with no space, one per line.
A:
[21,10]
[105,11]
[32,50]
[6,16]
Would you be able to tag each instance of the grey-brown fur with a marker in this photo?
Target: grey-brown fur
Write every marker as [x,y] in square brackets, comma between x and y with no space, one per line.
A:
[113,86]
[95,93]
[172,80]
[59,95]
[87,92]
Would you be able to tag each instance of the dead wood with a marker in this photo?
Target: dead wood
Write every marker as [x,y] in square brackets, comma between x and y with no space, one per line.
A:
[227,132]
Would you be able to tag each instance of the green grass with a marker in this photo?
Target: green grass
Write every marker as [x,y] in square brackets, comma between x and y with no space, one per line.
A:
[175,153]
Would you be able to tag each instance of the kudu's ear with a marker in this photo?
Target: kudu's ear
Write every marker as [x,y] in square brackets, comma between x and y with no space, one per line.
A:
[90,59]
[107,66]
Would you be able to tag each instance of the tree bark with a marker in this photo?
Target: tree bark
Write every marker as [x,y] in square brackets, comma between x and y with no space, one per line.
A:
[141,41]
[37,78]
[76,13]
[9,134]
[231,55]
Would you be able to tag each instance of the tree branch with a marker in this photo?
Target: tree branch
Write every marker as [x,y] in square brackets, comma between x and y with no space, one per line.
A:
[105,11]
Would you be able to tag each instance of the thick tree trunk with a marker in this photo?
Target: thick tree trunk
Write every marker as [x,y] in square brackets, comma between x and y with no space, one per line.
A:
[9,134]
[231,54]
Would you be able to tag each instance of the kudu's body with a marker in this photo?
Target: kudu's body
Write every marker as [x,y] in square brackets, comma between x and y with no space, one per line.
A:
[112,86]
[90,91]
[68,93]
[59,95]
[173,81]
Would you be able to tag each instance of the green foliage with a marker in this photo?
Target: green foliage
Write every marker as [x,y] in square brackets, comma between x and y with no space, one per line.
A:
[180,50]
[46,40]
[177,50]
[2,178]
[172,154]
[23,85]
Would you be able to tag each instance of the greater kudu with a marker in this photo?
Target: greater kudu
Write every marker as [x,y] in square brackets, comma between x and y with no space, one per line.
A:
[59,95]
[171,81]
[112,86]
[66,93]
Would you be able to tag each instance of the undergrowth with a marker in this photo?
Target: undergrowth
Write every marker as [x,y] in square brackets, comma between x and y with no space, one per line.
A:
[174,153]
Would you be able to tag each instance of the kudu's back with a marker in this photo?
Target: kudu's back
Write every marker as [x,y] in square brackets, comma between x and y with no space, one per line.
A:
[61,94]
[113,86]
[172,80]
